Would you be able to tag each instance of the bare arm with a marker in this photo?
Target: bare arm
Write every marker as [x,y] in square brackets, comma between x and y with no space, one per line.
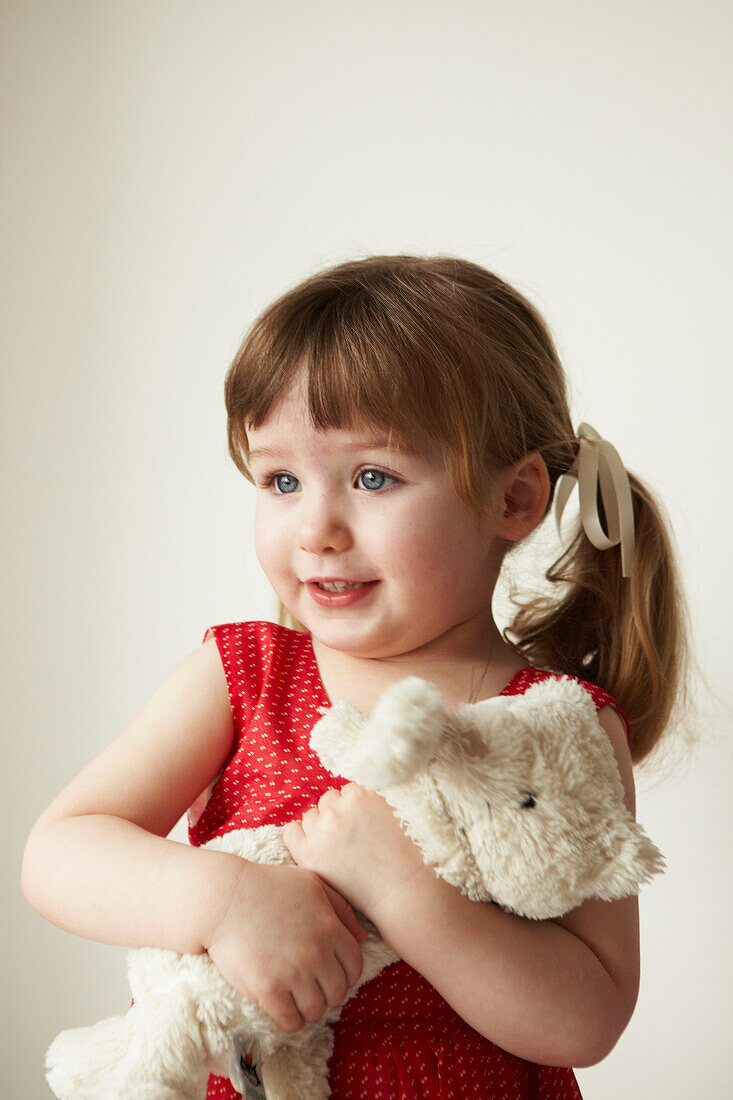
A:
[96,862]
[556,992]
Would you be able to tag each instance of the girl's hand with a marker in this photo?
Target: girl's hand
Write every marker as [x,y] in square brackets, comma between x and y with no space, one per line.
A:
[286,941]
[355,843]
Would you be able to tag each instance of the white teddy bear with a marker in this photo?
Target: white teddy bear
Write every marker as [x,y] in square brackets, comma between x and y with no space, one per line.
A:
[515,799]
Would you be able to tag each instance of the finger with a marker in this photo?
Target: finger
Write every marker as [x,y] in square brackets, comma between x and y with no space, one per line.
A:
[345,913]
[310,1000]
[281,1007]
[349,955]
[333,982]
[329,798]
[345,945]
[309,816]
[293,837]
[309,821]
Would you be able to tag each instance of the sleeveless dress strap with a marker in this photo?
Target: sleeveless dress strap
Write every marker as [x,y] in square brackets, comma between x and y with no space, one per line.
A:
[242,670]
[528,676]
[235,642]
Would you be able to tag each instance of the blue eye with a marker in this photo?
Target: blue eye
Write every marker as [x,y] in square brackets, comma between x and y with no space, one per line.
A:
[278,478]
[372,475]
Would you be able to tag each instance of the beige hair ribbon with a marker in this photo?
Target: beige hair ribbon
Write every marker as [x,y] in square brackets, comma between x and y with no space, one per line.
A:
[599,461]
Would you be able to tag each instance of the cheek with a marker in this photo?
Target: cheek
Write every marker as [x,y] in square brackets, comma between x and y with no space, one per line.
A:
[260,539]
[441,541]
[269,541]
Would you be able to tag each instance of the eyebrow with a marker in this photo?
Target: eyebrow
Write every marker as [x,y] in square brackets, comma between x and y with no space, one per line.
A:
[358,445]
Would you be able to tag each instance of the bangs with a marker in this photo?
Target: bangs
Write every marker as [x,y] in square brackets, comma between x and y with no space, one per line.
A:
[370,363]
[434,349]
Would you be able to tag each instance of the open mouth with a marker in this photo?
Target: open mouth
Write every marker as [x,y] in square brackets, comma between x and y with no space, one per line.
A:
[340,593]
[339,586]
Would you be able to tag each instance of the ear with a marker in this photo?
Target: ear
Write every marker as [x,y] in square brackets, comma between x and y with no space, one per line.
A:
[336,737]
[399,738]
[524,490]
[634,862]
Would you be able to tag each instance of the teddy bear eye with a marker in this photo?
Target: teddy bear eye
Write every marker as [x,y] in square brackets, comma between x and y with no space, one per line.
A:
[529,801]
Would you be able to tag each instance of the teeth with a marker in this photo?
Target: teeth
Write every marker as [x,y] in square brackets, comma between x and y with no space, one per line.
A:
[338,586]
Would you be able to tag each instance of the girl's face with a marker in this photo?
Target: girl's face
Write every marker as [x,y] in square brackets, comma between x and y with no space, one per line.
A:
[339,504]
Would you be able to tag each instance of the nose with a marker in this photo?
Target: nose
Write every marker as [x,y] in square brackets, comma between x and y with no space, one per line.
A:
[323,526]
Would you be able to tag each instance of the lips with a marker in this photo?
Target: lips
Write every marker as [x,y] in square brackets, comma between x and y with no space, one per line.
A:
[339,581]
[340,598]
[339,586]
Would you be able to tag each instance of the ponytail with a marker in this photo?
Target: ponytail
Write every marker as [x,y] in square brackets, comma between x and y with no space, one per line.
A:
[629,635]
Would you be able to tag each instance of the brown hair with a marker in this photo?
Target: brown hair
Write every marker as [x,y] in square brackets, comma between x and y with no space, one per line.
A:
[395,342]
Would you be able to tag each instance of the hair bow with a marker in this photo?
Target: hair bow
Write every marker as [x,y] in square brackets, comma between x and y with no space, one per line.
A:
[599,461]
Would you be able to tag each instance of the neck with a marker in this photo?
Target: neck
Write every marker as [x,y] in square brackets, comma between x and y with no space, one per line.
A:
[469,661]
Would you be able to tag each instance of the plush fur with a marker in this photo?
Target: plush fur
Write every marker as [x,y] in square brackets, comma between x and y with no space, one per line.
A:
[516,800]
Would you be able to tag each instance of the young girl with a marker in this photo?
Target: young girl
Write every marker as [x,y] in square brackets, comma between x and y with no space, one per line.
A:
[405,422]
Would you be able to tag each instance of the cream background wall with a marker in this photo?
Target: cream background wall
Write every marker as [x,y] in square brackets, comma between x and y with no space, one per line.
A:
[167,169]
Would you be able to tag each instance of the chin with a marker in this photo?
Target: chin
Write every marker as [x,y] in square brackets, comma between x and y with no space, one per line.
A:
[344,637]
[355,642]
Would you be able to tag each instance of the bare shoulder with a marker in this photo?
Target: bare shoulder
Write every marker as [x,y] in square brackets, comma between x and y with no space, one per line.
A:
[195,690]
[156,767]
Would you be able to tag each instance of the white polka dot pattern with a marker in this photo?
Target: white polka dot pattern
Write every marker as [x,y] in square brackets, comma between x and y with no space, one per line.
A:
[397,1039]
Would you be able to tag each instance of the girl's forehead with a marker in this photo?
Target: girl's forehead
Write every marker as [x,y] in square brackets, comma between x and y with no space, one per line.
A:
[280,437]
[288,427]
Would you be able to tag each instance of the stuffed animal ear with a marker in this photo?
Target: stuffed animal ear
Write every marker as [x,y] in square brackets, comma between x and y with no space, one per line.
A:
[635,861]
[394,743]
[336,737]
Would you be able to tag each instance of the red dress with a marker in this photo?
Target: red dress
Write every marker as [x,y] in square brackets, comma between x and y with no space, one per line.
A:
[397,1038]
